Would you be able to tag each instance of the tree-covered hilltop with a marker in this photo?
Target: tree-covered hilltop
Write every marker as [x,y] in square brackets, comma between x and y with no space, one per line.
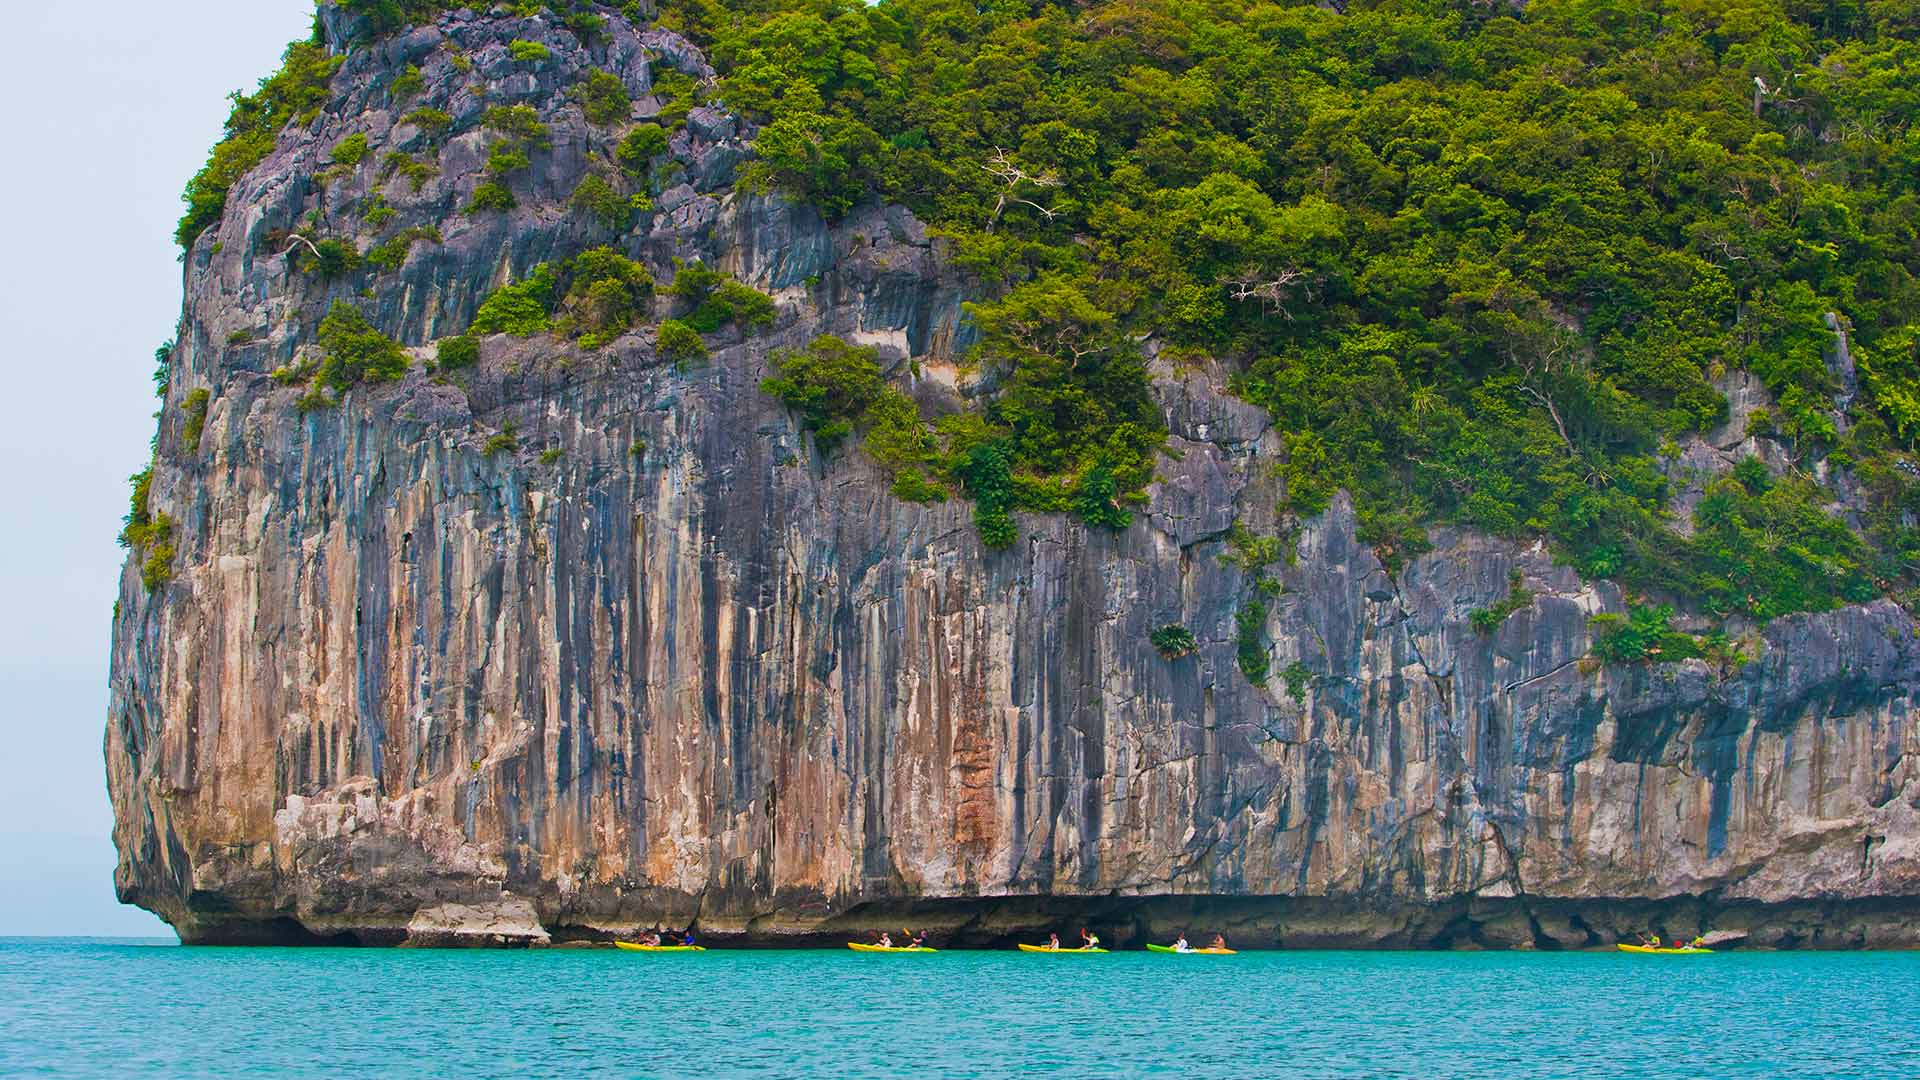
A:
[1486,263]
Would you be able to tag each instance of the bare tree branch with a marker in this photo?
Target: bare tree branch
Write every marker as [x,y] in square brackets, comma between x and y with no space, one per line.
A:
[295,240]
[1559,424]
[1011,175]
[1535,367]
[1271,292]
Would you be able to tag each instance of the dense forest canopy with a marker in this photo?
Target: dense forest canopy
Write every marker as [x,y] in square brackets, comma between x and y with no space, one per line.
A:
[1486,263]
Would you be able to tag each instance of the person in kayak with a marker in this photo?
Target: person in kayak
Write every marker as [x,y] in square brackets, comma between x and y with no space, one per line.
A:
[687,937]
[1181,945]
[886,940]
[914,940]
[1219,942]
[651,938]
[1088,941]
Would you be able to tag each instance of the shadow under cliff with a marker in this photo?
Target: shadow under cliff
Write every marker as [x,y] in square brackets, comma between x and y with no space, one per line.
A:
[1249,922]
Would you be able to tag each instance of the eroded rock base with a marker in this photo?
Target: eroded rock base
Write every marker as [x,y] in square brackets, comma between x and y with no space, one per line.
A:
[1248,922]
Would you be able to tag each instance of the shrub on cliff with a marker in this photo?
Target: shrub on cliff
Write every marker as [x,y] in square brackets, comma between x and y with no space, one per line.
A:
[987,478]
[148,533]
[194,408]
[430,120]
[678,93]
[416,171]
[1488,619]
[392,252]
[911,484]
[1250,642]
[490,196]
[504,441]
[598,199]
[1643,633]
[520,123]
[355,350]
[162,369]
[679,343]
[326,257]
[1174,641]
[640,146]
[293,94]
[598,293]
[587,26]
[827,161]
[376,212]
[1298,677]
[351,150]
[896,435]
[408,84]
[1646,634]
[1095,500]
[603,97]
[138,517]
[456,353]
[524,133]
[830,383]
[717,299]
[523,308]
[1773,551]
[606,292]
[506,158]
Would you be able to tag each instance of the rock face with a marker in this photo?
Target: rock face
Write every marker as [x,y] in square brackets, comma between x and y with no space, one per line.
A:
[662,663]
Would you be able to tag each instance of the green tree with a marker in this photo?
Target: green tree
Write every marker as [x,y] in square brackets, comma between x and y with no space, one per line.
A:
[603,96]
[830,384]
[355,351]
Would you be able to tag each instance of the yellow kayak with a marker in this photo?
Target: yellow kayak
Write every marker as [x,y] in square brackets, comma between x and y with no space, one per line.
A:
[858,947]
[1043,948]
[1688,950]
[632,947]
[1190,952]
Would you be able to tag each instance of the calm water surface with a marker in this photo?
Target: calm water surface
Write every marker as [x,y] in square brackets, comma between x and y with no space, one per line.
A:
[90,1008]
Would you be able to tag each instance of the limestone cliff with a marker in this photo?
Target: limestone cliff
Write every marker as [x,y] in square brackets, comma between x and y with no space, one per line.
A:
[663,662]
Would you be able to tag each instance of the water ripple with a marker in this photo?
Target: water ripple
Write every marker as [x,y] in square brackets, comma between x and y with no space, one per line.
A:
[91,1008]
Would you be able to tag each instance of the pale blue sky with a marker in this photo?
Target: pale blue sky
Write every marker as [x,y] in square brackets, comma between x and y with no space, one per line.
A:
[109,108]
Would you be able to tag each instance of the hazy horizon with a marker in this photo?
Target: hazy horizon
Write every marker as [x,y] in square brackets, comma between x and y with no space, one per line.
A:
[112,115]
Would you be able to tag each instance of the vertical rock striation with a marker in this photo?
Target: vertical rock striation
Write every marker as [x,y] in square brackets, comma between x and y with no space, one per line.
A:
[663,663]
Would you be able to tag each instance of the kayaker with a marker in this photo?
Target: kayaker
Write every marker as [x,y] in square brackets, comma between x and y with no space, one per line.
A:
[652,939]
[1053,941]
[914,941]
[1219,942]
[1181,945]
[886,940]
[687,938]
[1088,941]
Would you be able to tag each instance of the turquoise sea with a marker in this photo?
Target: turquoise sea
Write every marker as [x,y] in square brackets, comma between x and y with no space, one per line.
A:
[101,1008]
